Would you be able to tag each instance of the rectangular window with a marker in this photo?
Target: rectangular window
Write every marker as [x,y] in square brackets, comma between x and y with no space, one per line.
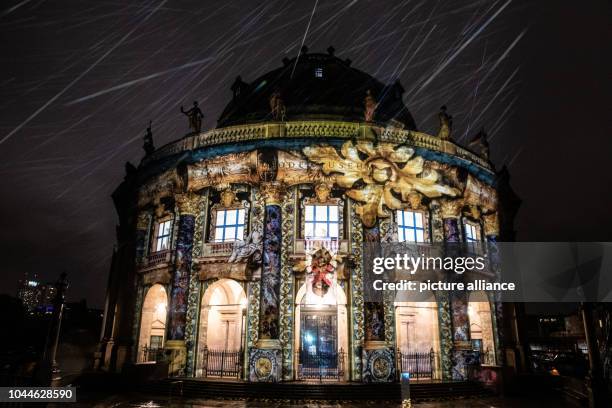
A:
[164,233]
[229,225]
[410,226]
[156,342]
[471,232]
[319,72]
[321,221]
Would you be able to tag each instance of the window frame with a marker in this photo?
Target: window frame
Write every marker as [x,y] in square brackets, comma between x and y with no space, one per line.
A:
[476,227]
[306,199]
[168,236]
[225,226]
[328,222]
[404,228]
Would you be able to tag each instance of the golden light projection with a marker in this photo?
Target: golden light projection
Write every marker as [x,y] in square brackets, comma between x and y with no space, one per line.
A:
[389,173]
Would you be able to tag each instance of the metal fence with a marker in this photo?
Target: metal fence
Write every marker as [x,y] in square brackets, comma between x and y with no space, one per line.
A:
[151,354]
[320,366]
[221,363]
[420,364]
[487,357]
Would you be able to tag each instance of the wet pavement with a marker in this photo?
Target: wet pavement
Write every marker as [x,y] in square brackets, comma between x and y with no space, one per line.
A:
[134,400]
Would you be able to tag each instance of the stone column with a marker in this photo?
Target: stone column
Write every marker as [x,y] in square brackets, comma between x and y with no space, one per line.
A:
[378,359]
[451,211]
[265,360]
[491,231]
[287,301]
[187,207]
[374,311]
[143,226]
[355,290]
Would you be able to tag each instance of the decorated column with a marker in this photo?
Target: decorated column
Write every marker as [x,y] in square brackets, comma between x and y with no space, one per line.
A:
[265,360]
[143,226]
[286,312]
[491,231]
[451,210]
[187,205]
[378,358]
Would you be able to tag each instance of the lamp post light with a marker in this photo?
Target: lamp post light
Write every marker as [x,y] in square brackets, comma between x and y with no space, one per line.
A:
[52,342]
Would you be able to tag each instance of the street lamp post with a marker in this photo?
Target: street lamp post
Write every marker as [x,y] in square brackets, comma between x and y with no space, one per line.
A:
[49,358]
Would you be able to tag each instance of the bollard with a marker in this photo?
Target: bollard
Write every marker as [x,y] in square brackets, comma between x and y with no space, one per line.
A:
[405,383]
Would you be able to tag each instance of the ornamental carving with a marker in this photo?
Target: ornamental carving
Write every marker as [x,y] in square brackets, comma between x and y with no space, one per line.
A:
[228,198]
[142,222]
[163,185]
[187,203]
[322,192]
[236,168]
[478,193]
[389,174]
[491,224]
[451,208]
[272,193]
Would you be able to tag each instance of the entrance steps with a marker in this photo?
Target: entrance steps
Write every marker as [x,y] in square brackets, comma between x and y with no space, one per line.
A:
[419,391]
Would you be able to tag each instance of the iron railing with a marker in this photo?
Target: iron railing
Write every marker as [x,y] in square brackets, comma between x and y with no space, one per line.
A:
[213,249]
[157,258]
[487,357]
[151,354]
[420,364]
[320,366]
[221,363]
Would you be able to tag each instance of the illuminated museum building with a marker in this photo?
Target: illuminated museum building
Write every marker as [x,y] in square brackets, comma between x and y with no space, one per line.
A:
[240,248]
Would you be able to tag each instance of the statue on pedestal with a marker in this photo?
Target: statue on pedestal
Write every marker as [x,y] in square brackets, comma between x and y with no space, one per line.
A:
[148,141]
[277,106]
[195,117]
[446,124]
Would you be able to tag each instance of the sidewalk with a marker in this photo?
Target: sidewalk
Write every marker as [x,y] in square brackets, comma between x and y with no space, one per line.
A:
[135,400]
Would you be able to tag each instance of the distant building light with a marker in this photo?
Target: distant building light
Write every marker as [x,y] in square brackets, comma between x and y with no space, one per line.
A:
[319,72]
[32,283]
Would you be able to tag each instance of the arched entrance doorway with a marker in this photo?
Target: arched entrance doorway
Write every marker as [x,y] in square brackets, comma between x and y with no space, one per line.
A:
[321,334]
[418,336]
[222,330]
[153,323]
[481,326]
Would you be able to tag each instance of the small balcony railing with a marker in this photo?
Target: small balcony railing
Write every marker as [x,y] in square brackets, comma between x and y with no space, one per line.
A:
[220,363]
[151,354]
[157,258]
[213,249]
[303,246]
[487,357]
[420,364]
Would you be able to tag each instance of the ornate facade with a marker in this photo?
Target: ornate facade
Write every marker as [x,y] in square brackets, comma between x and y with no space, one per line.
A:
[246,241]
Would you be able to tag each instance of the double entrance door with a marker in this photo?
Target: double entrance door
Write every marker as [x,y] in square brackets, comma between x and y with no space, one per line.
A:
[318,354]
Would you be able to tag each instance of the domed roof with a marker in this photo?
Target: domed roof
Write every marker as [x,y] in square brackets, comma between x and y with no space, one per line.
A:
[319,87]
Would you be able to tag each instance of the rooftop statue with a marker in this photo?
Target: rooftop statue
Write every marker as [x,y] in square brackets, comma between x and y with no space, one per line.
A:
[446,124]
[369,106]
[480,145]
[277,106]
[148,146]
[195,117]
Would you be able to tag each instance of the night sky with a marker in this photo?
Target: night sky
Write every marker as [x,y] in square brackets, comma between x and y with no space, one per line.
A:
[81,79]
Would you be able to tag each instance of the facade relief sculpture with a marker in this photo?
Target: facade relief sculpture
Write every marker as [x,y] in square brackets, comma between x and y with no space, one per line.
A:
[388,171]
